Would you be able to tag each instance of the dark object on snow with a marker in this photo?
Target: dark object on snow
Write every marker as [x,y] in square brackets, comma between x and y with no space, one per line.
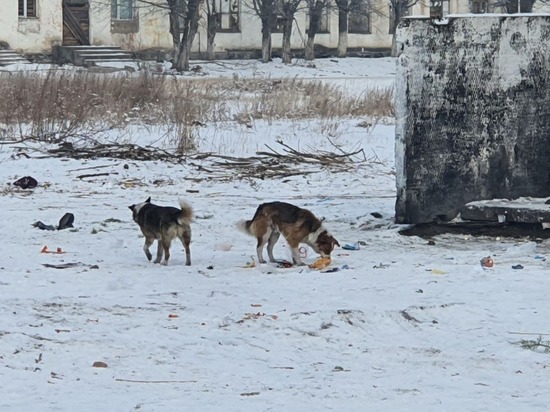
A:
[42,226]
[66,221]
[376,215]
[547,202]
[27,182]
[517,267]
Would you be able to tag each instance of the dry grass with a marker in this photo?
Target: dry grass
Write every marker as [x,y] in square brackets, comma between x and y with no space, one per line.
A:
[58,104]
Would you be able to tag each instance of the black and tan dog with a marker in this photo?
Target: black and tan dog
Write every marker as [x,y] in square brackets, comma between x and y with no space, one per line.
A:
[164,224]
[297,226]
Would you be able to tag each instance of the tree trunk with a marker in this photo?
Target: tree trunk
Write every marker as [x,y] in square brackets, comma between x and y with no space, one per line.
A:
[342,48]
[287,33]
[211,35]
[190,27]
[310,48]
[266,41]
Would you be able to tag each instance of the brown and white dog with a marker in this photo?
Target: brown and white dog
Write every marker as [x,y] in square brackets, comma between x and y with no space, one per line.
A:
[297,226]
[164,224]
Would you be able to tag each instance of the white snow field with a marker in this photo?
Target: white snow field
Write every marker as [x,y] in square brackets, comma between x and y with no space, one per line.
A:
[401,326]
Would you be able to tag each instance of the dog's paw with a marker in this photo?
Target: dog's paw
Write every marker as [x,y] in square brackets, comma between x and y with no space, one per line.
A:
[164,263]
[149,256]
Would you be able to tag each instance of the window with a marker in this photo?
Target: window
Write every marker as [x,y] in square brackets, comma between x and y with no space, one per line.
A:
[27,8]
[479,6]
[123,10]
[227,14]
[277,23]
[359,21]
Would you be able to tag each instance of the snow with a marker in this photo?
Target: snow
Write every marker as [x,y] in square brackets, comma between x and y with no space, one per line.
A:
[408,327]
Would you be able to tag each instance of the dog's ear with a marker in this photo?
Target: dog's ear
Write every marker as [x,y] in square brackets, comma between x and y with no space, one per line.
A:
[322,219]
[132,207]
[336,243]
[148,200]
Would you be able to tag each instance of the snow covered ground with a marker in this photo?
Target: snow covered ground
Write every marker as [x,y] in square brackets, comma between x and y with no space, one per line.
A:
[403,325]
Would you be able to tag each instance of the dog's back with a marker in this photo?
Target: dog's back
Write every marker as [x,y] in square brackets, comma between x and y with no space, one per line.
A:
[164,223]
[279,214]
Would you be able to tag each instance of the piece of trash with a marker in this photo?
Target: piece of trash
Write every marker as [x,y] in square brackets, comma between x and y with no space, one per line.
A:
[376,215]
[381,266]
[345,267]
[351,246]
[320,263]
[66,221]
[431,243]
[27,182]
[250,264]
[487,262]
[42,226]
[543,258]
[362,243]
[517,267]
[211,267]
[46,250]
[99,364]
[331,270]
[284,264]
[172,316]
[438,272]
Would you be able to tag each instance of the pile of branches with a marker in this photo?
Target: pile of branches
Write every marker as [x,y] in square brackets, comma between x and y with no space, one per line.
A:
[285,162]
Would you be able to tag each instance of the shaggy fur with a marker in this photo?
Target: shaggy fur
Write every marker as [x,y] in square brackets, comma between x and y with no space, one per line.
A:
[297,226]
[164,224]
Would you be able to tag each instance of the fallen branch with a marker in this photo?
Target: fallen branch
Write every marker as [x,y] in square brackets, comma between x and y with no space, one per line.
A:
[147,381]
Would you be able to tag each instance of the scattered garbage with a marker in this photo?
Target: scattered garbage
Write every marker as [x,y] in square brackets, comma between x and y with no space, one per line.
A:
[65,222]
[57,251]
[250,264]
[517,266]
[331,270]
[351,246]
[320,263]
[487,262]
[27,182]
[282,263]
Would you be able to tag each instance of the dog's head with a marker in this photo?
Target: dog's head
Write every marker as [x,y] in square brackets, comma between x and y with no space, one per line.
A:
[325,244]
[136,208]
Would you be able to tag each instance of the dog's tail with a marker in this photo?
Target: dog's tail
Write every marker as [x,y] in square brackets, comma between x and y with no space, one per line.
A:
[246,226]
[186,215]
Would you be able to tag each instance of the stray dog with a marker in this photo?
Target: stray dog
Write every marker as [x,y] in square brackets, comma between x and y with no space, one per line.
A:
[297,226]
[164,224]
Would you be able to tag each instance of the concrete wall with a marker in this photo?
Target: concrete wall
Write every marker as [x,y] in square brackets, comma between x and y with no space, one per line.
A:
[473,113]
[32,35]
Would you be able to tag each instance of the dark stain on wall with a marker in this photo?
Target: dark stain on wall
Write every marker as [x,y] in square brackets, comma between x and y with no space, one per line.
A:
[473,113]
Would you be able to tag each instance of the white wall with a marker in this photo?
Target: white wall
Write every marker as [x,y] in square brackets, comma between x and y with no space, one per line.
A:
[32,35]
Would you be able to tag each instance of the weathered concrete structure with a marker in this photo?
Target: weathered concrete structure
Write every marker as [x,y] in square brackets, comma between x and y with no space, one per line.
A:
[473,112]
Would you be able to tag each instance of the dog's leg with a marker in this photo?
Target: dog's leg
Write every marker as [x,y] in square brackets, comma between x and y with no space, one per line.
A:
[186,240]
[271,242]
[261,242]
[159,252]
[166,247]
[148,242]
[294,247]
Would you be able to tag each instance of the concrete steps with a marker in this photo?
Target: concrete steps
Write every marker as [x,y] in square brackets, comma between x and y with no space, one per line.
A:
[8,57]
[93,56]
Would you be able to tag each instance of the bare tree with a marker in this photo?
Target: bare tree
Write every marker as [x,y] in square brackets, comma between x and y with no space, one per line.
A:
[287,10]
[184,23]
[265,10]
[212,26]
[398,9]
[357,11]
[315,9]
